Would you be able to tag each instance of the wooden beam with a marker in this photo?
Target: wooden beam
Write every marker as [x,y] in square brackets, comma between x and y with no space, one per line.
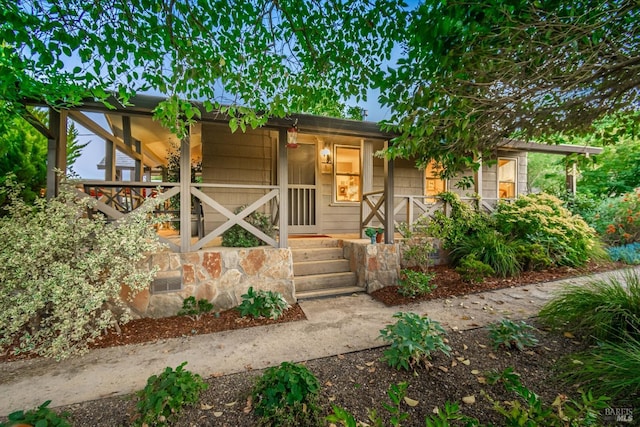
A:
[479,182]
[389,193]
[37,124]
[283,183]
[110,160]
[185,194]
[571,177]
[56,150]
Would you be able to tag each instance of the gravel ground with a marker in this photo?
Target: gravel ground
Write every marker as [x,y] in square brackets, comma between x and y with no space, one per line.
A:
[358,382]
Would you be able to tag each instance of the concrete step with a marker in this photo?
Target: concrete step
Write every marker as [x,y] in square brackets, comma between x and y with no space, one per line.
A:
[324,281]
[320,267]
[316,254]
[314,242]
[328,293]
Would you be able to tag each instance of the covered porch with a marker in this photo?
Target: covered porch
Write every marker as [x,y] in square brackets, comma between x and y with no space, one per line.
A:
[301,187]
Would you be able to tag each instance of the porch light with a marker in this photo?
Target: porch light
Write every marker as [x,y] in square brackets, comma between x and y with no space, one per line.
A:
[292,136]
[326,155]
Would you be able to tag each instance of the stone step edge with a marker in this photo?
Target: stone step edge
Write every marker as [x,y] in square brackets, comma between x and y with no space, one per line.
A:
[328,293]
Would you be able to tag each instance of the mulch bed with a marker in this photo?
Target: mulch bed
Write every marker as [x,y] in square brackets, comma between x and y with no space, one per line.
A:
[447,280]
[449,283]
[148,329]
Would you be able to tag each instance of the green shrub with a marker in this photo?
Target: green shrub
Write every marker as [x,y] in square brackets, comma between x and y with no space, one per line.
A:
[461,221]
[62,273]
[510,334]
[287,395]
[602,309]
[609,368]
[42,416]
[238,237]
[491,248]
[542,219]
[532,256]
[473,271]
[195,309]
[412,340]
[617,220]
[164,396]
[415,283]
[262,304]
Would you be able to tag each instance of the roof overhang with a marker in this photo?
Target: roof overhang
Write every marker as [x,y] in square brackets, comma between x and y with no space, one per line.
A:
[563,149]
[145,104]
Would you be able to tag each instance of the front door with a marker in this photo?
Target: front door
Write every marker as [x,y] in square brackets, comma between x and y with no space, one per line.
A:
[302,189]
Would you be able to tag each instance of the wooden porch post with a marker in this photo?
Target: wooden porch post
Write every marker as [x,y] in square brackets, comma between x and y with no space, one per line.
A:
[52,155]
[283,183]
[56,150]
[389,196]
[571,177]
[139,168]
[185,194]
[478,182]
[367,178]
[109,160]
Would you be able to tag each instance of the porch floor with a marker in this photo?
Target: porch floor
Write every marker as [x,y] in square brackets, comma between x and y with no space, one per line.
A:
[174,237]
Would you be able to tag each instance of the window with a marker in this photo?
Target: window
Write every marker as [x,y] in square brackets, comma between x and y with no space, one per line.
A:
[347,174]
[433,184]
[507,178]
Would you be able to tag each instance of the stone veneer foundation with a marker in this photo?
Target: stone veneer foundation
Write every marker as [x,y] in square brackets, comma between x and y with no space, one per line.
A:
[376,265]
[219,275]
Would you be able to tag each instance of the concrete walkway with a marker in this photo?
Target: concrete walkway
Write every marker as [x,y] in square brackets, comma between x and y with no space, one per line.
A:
[333,326]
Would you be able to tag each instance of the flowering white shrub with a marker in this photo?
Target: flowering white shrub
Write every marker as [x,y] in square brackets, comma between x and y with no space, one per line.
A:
[61,273]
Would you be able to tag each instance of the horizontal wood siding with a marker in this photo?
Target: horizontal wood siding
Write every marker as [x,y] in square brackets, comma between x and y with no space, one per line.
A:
[235,158]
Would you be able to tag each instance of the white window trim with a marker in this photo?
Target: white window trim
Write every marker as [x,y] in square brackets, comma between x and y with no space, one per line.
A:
[515,178]
[334,195]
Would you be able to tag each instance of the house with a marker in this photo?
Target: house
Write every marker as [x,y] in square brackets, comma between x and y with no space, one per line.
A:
[312,176]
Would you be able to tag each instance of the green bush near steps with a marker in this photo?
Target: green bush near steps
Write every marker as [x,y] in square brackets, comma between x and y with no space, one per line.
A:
[287,396]
[262,304]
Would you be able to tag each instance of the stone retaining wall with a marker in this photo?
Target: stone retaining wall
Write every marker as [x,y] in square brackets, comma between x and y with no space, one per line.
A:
[219,275]
[376,265]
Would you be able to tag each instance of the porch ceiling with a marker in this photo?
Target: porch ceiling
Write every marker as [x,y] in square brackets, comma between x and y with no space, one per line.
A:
[156,140]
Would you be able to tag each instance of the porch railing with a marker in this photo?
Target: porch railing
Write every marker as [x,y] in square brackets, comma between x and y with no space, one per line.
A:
[116,199]
[302,205]
[410,208]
